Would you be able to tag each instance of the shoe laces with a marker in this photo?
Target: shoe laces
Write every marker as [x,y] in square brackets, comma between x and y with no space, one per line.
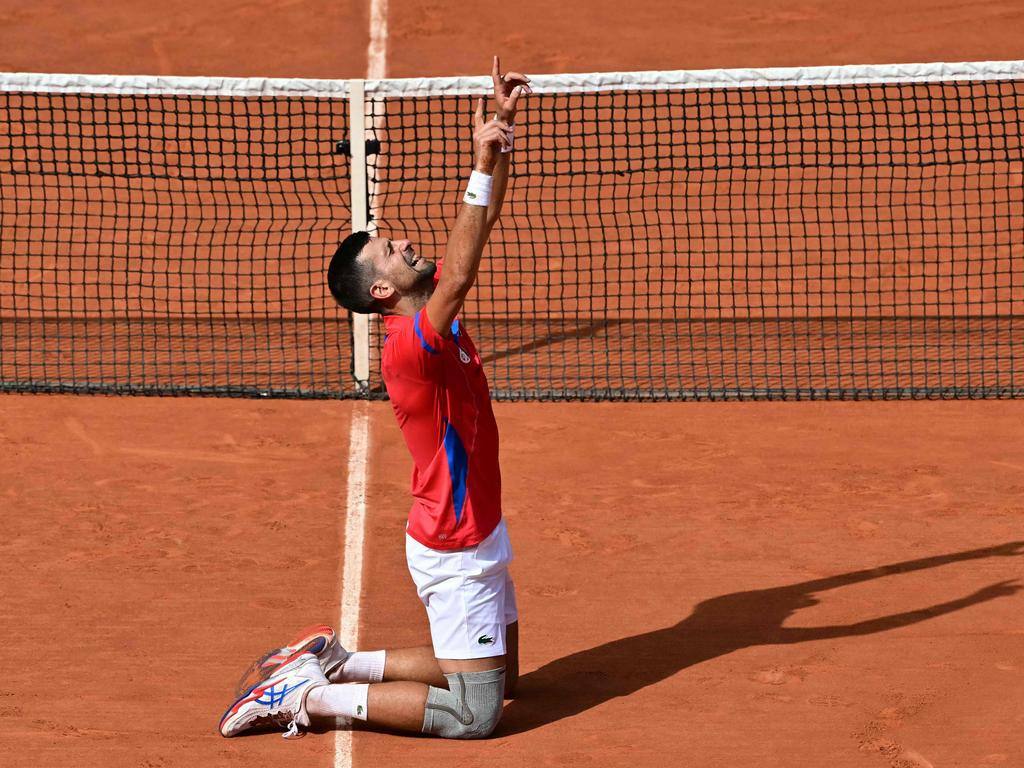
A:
[282,720]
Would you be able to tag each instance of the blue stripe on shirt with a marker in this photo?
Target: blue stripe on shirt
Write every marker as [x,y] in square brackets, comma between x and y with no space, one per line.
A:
[458,467]
[419,332]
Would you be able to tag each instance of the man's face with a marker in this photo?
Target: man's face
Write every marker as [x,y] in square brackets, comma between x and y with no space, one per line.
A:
[397,268]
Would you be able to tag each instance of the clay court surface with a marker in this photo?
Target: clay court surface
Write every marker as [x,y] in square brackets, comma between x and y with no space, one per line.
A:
[801,584]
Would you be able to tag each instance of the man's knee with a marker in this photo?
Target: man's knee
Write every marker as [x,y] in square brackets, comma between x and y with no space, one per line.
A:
[470,709]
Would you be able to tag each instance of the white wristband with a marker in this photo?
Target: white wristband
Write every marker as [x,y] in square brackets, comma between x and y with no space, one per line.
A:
[478,191]
[511,139]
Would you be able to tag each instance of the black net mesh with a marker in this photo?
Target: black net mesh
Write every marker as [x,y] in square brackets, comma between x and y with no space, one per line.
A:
[165,244]
[839,241]
[854,241]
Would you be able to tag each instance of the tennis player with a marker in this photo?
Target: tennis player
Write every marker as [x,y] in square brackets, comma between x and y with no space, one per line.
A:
[457,546]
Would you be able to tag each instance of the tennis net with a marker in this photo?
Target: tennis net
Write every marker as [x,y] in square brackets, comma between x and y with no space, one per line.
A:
[847,232]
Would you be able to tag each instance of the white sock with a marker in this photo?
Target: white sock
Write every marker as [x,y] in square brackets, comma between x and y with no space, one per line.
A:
[361,667]
[338,701]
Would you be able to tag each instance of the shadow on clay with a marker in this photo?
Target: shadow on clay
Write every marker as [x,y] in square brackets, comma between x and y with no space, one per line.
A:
[718,626]
[578,331]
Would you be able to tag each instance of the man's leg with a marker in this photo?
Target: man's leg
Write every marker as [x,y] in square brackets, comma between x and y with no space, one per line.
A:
[402,704]
[419,666]
[398,698]
[470,605]
[455,689]
[395,691]
[406,688]
[416,665]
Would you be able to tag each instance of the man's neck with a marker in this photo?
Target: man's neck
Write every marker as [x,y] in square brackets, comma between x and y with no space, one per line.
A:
[408,306]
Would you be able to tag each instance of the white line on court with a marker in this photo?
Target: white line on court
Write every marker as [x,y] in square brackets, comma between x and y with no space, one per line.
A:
[352,571]
[377,52]
[355,524]
[358,441]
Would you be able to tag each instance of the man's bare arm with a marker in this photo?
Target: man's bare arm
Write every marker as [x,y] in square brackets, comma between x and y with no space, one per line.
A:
[499,185]
[504,109]
[469,233]
[474,222]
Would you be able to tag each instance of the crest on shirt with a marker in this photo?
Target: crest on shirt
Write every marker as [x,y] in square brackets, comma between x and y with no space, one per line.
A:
[463,356]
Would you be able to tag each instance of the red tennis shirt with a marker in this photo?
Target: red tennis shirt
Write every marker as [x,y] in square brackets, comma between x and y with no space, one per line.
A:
[440,395]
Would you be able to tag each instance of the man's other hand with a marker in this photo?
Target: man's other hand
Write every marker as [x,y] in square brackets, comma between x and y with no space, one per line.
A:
[489,137]
[507,90]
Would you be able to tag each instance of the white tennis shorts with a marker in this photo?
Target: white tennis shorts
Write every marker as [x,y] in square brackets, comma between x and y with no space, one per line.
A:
[468,595]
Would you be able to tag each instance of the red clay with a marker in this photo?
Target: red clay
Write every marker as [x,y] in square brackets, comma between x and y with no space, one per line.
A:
[445,37]
[675,565]
[743,584]
[668,555]
[153,548]
[255,38]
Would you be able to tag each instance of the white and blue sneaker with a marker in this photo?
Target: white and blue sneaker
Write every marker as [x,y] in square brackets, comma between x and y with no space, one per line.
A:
[320,640]
[279,700]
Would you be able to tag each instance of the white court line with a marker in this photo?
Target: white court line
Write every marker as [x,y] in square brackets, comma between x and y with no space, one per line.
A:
[352,571]
[377,52]
[358,442]
[355,524]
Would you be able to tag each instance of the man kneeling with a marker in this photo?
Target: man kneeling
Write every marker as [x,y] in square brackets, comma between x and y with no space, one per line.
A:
[457,545]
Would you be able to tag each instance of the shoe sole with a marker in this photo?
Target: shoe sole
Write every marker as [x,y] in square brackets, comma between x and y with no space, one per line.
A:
[311,640]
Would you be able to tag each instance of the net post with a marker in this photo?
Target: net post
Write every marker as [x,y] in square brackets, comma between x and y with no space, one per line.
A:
[360,210]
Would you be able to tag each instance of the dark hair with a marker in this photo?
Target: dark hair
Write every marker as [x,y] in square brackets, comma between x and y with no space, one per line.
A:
[349,280]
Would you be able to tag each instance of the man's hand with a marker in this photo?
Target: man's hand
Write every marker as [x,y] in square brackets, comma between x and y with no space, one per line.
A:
[1009,550]
[474,222]
[999,589]
[507,90]
[489,137]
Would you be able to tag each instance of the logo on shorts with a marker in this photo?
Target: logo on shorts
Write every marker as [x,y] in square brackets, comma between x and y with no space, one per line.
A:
[485,640]
[359,709]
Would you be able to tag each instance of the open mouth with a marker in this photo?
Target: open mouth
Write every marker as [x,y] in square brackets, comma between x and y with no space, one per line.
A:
[412,259]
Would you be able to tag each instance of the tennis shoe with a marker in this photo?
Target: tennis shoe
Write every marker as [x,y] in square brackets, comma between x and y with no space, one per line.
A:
[319,640]
[280,700]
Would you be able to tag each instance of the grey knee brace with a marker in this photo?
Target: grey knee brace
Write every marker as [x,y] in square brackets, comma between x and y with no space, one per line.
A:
[470,709]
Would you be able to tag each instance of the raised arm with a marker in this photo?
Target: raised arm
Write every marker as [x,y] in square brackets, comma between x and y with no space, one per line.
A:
[473,224]
[504,109]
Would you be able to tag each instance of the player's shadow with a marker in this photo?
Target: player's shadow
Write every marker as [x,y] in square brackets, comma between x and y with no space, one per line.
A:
[573,684]
[554,335]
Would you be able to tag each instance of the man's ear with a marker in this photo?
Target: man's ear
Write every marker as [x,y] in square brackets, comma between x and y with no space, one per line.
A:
[382,290]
